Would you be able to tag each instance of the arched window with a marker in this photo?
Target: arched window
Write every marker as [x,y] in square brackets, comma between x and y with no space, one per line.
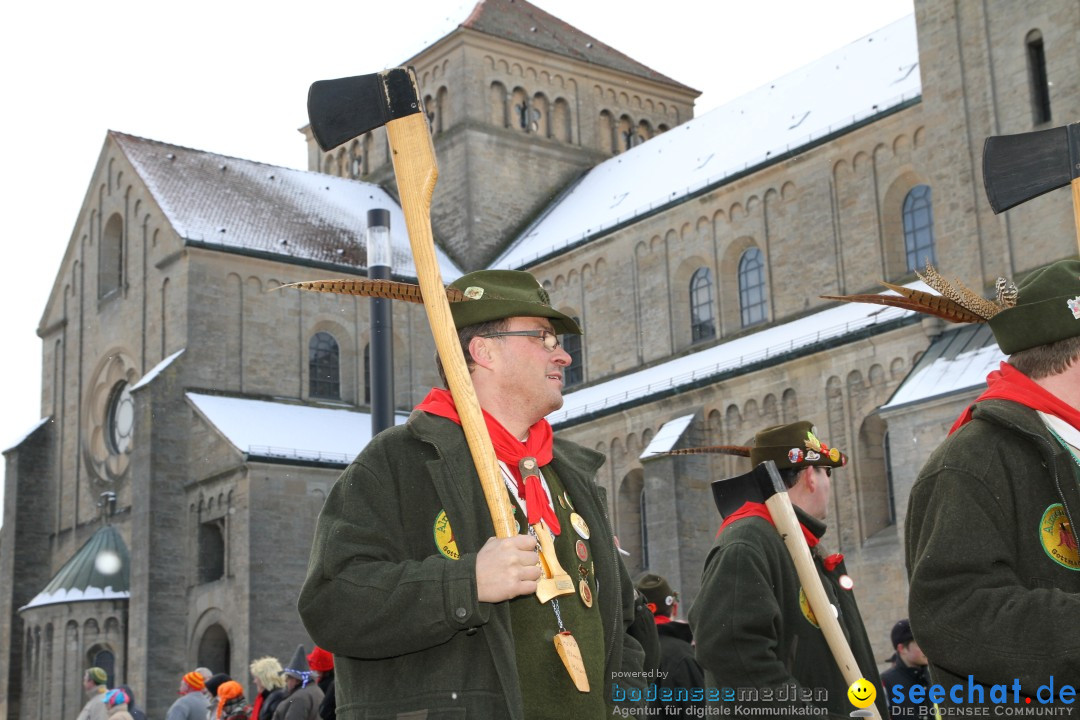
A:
[752,301]
[103,657]
[702,323]
[111,257]
[211,550]
[574,373]
[1040,83]
[918,227]
[324,366]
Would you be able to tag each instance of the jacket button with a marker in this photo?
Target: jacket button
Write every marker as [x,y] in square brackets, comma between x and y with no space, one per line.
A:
[472,631]
[461,613]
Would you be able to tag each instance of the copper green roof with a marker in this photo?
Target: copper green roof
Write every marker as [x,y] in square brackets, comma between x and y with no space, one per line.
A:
[98,571]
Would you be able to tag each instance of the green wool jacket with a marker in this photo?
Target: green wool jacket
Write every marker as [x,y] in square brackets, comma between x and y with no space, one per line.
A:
[991,554]
[402,619]
[752,632]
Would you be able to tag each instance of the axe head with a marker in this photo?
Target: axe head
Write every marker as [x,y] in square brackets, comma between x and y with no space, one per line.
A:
[758,485]
[340,110]
[1017,168]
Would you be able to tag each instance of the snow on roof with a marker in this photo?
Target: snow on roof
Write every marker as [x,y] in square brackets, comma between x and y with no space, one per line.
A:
[287,430]
[99,570]
[869,77]
[956,361]
[237,204]
[157,369]
[806,332]
[669,434]
[28,433]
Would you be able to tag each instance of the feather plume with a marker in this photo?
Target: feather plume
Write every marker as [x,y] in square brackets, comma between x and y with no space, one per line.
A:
[1007,292]
[389,289]
[740,450]
[959,293]
[918,301]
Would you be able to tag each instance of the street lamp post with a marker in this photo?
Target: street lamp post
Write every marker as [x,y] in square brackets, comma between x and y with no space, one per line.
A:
[382,323]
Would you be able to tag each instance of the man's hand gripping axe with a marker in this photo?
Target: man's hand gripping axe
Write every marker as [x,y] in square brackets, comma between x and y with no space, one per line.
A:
[342,109]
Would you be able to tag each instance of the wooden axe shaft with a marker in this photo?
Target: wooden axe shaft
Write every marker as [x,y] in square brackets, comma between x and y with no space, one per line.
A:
[416,171]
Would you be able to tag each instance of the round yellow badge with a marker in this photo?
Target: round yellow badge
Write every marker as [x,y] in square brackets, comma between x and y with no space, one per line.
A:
[444,537]
[862,693]
[807,611]
[834,454]
[1057,538]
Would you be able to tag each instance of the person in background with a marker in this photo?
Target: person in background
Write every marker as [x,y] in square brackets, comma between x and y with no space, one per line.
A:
[909,670]
[94,685]
[191,705]
[136,713]
[680,670]
[269,686]
[116,704]
[232,705]
[322,664]
[304,694]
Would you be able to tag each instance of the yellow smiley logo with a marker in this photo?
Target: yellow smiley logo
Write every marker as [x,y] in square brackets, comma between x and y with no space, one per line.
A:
[862,693]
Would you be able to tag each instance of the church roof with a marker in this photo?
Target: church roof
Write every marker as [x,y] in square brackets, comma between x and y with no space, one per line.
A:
[245,206]
[808,334]
[871,77]
[287,432]
[957,361]
[523,23]
[97,571]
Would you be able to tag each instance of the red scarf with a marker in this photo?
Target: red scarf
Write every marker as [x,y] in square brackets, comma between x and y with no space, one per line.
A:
[511,451]
[754,509]
[1008,383]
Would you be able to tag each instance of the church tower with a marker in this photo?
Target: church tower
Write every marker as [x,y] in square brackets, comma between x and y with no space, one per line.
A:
[520,105]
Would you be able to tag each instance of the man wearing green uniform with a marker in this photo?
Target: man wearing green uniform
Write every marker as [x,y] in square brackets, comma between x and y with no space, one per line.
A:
[757,638]
[424,610]
[991,524]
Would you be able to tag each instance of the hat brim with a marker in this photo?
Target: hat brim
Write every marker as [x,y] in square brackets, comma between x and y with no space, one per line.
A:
[473,312]
[781,455]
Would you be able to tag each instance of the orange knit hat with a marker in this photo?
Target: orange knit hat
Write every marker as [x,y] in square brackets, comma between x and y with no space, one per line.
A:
[228,691]
[195,680]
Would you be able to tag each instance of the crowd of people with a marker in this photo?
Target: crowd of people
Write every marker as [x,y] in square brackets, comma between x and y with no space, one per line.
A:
[429,612]
[301,690]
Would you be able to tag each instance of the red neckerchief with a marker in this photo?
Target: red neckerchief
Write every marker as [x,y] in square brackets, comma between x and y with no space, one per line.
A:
[1008,383]
[754,509]
[511,451]
[661,619]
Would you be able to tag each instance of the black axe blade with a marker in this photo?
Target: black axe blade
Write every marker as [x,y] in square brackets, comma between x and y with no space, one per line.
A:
[1017,168]
[758,485]
[342,109]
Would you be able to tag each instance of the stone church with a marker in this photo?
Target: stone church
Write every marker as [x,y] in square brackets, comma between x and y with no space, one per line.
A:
[159,514]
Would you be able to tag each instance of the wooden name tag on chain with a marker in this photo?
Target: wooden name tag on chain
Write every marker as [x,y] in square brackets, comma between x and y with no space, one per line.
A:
[570,654]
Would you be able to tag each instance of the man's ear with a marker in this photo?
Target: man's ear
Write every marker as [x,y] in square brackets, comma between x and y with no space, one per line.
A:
[480,350]
[807,479]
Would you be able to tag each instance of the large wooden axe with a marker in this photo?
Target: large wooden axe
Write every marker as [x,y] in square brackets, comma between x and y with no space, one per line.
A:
[342,109]
[1017,168]
[763,484]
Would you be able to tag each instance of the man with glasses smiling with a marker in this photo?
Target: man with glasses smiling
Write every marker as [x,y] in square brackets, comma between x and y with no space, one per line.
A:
[425,611]
[752,623]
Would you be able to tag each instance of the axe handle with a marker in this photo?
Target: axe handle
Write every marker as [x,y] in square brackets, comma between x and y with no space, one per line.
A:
[787,524]
[416,171]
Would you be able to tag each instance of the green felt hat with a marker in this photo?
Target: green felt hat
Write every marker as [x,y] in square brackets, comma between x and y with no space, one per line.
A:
[794,445]
[658,591]
[499,294]
[1047,309]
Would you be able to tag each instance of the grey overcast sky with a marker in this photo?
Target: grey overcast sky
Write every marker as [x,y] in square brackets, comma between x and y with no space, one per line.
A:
[231,77]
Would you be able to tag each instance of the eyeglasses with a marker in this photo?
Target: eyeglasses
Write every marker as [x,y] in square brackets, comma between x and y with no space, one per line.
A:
[550,339]
[828,471]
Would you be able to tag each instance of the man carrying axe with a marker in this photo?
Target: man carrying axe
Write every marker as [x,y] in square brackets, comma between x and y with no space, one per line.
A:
[423,608]
[755,631]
